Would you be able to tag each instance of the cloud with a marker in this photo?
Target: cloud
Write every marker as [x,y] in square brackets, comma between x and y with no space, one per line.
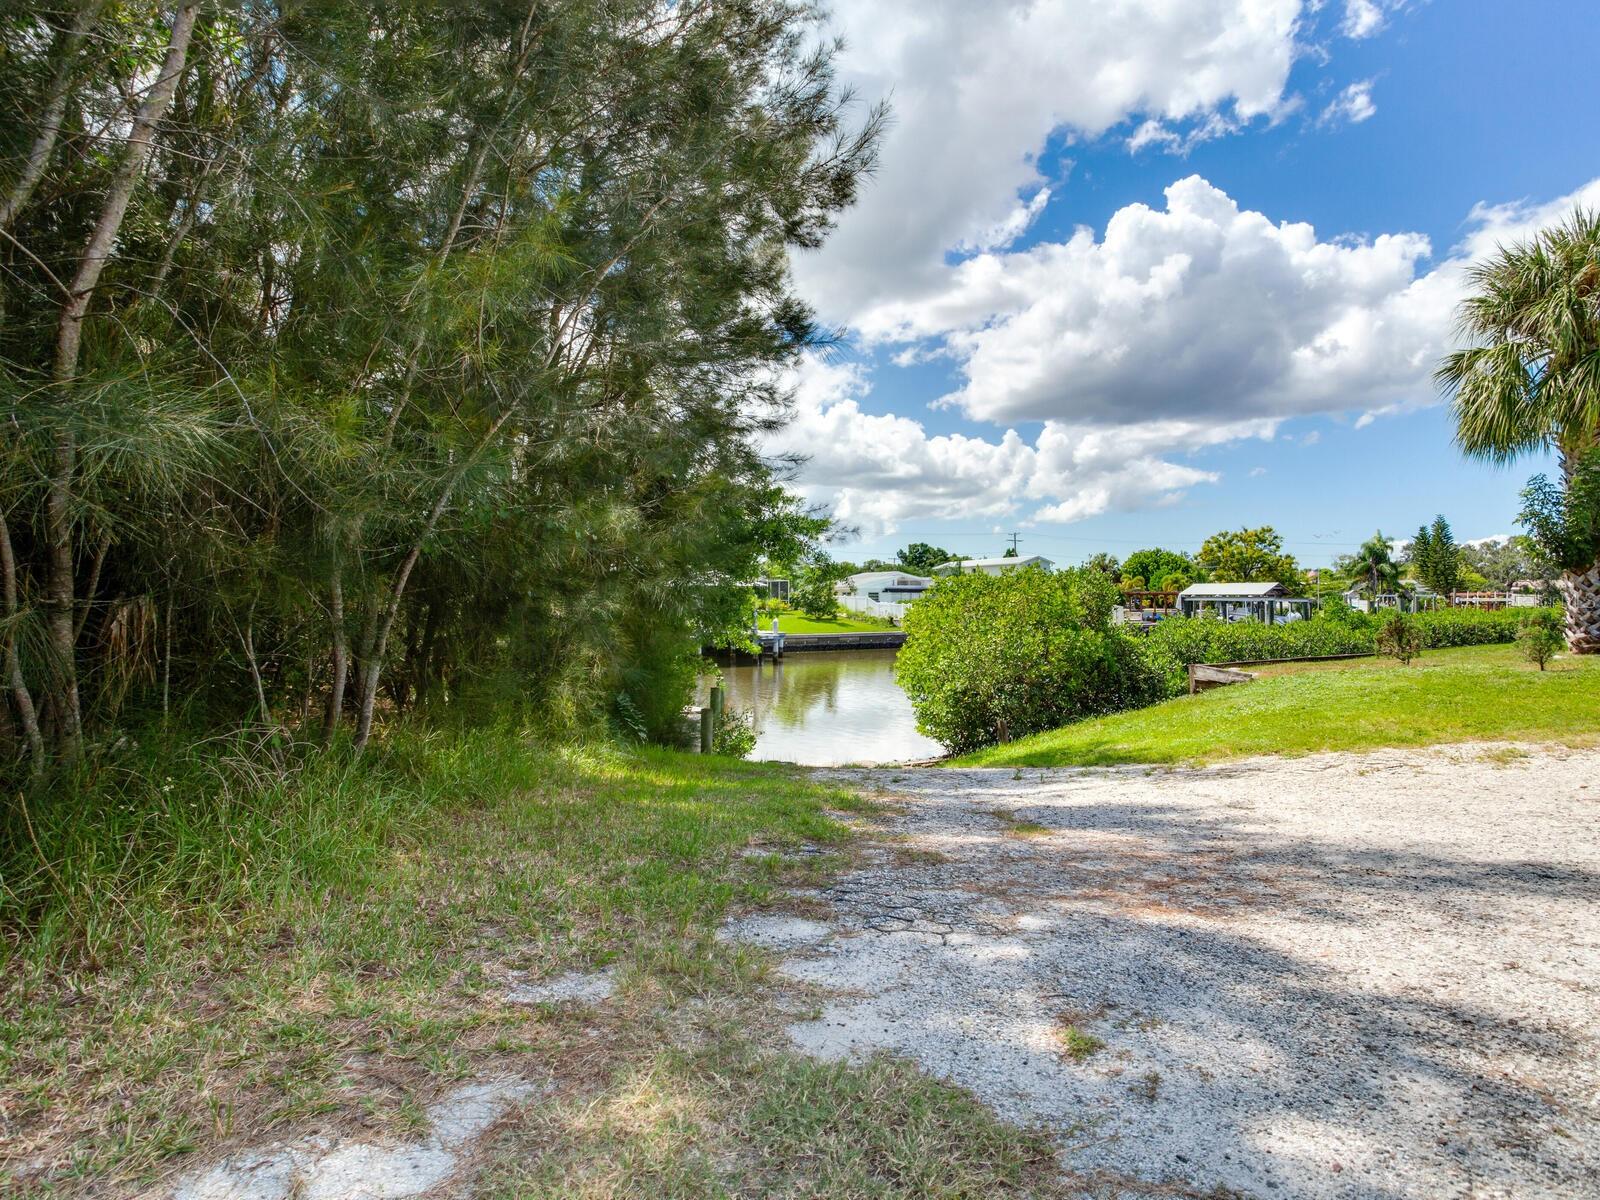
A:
[879,470]
[1493,225]
[1257,472]
[1199,312]
[977,91]
[1351,106]
[1177,330]
[1362,18]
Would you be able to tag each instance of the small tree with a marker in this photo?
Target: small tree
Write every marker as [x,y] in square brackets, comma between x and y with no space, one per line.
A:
[1105,563]
[1250,556]
[1156,564]
[1374,565]
[921,558]
[1400,637]
[1436,557]
[813,594]
[1541,637]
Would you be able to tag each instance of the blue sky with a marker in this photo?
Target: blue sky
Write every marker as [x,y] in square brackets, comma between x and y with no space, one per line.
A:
[1089,230]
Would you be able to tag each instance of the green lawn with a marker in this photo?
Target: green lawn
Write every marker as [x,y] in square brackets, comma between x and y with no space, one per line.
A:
[798,622]
[1469,694]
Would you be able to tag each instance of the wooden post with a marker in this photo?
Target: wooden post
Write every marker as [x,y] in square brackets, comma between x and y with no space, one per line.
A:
[705,730]
[718,701]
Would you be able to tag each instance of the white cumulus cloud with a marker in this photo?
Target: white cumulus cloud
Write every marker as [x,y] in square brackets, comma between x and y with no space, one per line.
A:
[978,89]
[1196,325]
[1200,310]
[1351,106]
[876,470]
[1362,18]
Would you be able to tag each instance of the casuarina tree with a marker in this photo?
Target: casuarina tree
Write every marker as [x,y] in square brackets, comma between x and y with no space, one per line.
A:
[1529,379]
[349,353]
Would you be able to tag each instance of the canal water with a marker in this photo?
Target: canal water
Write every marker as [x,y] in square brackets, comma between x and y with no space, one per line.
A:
[827,708]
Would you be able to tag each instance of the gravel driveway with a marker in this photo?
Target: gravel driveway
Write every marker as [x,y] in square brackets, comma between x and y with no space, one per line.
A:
[1336,976]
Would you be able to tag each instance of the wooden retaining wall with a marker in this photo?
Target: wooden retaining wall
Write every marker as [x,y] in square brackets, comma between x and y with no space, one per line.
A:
[884,640]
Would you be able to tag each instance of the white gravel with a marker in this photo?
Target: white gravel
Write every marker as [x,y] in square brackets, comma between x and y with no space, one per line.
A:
[581,987]
[1336,976]
[327,1168]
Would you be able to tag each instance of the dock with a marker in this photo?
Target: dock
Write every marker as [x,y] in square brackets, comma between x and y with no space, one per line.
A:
[774,645]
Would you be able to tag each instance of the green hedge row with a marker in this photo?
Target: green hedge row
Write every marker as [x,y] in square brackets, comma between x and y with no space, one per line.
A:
[1176,642]
[1470,626]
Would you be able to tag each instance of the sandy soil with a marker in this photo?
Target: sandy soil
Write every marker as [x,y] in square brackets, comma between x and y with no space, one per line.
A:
[1337,976]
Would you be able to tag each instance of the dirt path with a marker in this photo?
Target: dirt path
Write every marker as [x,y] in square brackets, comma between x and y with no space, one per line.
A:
[1337,976]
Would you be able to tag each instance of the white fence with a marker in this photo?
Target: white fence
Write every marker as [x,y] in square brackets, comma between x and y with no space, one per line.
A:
[867,607]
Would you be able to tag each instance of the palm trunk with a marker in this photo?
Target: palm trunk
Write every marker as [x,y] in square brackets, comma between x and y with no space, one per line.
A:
[1580,594]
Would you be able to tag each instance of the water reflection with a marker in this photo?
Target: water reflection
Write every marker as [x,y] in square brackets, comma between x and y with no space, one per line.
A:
[829,707]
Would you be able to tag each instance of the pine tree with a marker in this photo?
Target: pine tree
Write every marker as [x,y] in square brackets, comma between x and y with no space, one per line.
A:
[1443,570]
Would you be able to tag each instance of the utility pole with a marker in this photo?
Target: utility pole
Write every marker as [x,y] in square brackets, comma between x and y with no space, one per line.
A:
[1015,538]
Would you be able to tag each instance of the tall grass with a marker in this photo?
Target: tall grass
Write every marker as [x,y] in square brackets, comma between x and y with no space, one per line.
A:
[172,836]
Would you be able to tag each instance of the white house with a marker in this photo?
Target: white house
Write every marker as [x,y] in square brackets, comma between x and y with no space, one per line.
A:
[888,587]
[993,566]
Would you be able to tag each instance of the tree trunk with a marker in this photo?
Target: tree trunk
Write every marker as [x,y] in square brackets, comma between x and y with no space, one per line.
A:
[20,695]
[69,340]
[382,621]
[1580,594]
[55,107]
[340,666]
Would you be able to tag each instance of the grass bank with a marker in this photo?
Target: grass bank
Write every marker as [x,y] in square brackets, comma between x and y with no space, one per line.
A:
[797,622]
[212,948]
[1467,694]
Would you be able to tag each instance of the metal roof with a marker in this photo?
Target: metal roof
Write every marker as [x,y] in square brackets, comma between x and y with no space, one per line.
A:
[1228,591]
[978,564]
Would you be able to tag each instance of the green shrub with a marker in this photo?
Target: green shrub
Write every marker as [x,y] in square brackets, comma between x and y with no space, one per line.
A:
[1338,629]
[1176,642]
[993,657]
[735,733]
[1541,636]
[1468,627]
[1399,637]
[1340,611]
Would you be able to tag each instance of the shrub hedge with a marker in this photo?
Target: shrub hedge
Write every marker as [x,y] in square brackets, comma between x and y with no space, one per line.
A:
[997,656]
[1470,626]
[1176,642]
[990,657]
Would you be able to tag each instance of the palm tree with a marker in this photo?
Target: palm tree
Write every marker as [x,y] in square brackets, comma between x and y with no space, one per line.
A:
[1375,562]
[1529,379]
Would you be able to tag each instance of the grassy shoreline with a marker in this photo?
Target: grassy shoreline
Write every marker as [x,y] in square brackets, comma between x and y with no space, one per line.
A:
[328,945]
[1476,693]
[798,622]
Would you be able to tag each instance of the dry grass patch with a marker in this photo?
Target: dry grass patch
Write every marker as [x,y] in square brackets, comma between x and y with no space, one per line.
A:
[1020,827]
